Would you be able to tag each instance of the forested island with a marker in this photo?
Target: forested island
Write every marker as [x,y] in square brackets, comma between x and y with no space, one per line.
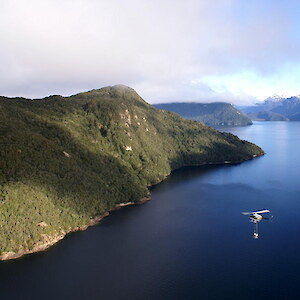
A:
[66,161]
[212,114]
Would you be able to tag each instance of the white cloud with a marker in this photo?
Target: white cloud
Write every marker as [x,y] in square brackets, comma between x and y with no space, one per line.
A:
[160,48]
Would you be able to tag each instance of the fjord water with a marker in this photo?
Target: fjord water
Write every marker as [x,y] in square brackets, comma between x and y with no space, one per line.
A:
[191,241]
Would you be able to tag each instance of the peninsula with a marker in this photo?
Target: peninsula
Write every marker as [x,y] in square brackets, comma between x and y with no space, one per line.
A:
[65,162]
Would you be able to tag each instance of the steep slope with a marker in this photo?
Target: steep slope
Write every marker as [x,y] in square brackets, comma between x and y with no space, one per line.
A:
[64,161]
[211,114]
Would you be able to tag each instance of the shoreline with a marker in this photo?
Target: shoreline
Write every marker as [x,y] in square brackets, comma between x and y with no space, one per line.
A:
[53,239]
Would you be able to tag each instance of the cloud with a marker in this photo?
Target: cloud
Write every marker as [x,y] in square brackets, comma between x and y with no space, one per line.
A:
[166,50]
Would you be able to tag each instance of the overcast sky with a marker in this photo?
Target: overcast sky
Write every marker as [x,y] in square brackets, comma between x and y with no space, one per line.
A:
[168,50]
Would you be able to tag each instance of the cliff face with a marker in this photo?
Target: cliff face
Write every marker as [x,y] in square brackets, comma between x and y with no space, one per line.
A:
[64,161]
[211,114]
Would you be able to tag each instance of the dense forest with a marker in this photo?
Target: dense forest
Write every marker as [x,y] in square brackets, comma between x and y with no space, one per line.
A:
[65,160]
[212,114]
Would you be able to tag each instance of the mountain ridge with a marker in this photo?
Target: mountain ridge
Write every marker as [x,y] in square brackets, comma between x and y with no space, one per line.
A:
[275,109]
[211,114]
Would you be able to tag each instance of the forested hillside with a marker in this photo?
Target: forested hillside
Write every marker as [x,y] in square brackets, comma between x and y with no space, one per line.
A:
[64,161]
[211,114]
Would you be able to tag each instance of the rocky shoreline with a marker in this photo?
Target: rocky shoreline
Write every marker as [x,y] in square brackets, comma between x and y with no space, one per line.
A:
[53,239]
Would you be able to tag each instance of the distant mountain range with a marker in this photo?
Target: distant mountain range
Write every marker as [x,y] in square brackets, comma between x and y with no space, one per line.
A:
[211,114]
[275,109]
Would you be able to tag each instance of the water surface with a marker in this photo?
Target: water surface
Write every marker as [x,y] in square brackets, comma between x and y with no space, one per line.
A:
[190,242]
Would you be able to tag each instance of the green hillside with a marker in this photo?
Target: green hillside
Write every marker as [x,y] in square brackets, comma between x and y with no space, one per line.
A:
[64,161]
[211,114]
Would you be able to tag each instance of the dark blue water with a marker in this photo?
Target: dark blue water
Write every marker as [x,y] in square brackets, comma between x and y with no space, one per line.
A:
[190,242]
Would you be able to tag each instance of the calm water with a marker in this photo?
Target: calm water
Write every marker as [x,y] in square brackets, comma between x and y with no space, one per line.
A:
[190,241]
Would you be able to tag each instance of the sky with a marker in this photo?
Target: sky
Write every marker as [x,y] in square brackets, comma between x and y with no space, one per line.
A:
[238,51]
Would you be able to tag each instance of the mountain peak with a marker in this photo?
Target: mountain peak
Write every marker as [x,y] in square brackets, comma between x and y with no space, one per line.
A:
[118,91]
[274,99]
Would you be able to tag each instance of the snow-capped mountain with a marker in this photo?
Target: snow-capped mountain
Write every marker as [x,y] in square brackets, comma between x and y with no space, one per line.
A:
[275,108]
